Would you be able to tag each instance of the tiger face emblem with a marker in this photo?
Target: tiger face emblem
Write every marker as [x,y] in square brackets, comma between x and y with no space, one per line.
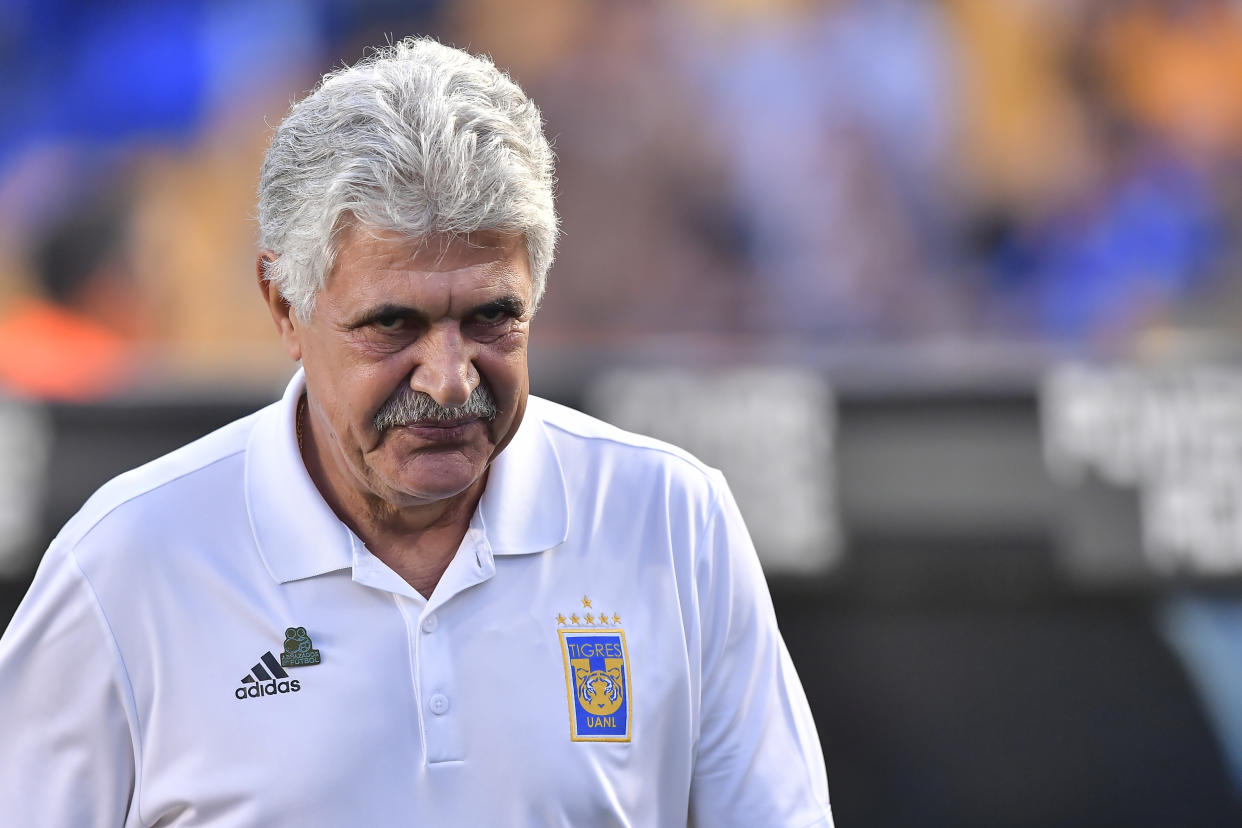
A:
[600,691]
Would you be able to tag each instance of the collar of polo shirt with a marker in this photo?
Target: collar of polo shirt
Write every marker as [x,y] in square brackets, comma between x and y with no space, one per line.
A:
[524,508]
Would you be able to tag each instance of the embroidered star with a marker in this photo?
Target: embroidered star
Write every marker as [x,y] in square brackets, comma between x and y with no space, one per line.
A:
[574,618]
[586,602]
[616,619]
[590,619]
[560,619]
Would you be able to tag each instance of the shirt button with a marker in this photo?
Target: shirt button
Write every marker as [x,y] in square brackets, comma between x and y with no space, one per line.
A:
[430,623]
[439,704]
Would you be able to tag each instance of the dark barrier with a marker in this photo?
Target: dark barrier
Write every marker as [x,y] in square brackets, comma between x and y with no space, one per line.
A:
[960,673]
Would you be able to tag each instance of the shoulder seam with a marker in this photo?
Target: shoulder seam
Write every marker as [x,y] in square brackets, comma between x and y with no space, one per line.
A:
[681,455]
[73,542]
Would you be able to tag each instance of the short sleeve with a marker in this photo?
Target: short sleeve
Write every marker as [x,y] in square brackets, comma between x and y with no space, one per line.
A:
[758,761]
[66,752]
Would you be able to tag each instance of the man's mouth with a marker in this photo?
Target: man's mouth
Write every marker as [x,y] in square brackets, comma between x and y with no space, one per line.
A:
[446,431]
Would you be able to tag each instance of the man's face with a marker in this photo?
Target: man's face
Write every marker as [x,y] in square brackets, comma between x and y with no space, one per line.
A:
[440,318]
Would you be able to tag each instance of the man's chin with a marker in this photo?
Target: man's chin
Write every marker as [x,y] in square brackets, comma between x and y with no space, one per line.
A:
[436,479]
[427,495]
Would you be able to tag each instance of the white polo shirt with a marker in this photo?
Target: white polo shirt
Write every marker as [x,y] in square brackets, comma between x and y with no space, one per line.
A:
[601,651]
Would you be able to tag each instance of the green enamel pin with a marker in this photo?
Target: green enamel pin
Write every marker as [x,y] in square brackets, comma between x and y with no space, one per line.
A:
[299,652]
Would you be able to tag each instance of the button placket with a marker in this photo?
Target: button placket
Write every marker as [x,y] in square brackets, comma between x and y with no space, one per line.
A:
[433,644]
[436,682]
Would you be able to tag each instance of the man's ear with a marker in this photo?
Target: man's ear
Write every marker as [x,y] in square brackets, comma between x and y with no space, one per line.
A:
[287,323]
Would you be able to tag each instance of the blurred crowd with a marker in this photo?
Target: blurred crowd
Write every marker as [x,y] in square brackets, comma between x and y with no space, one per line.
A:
[823,171]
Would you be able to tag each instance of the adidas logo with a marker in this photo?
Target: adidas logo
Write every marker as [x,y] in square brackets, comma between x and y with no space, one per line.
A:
[267,678]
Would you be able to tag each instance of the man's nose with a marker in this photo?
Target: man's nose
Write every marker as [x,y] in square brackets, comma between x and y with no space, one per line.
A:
[445,368]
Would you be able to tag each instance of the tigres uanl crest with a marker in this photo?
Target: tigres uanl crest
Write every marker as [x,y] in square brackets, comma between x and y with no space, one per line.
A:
[597,680]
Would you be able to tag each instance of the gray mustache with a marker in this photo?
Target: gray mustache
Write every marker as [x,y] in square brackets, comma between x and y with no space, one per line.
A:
[409,406]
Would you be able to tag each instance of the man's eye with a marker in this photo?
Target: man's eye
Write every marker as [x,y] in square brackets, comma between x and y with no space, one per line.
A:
[491,317]
[390,324]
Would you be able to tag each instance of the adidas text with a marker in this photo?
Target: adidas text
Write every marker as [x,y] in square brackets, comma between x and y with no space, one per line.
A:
[271,688]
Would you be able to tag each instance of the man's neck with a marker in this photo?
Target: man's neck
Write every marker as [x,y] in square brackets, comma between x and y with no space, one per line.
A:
[417,542]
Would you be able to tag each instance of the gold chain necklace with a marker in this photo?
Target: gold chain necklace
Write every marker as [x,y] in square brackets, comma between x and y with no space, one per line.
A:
[298,420]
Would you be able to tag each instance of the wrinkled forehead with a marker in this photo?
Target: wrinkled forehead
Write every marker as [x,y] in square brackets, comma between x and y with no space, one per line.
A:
[435,275]
[432,253]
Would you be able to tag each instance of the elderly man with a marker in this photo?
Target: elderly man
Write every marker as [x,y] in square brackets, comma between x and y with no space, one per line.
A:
[408,593]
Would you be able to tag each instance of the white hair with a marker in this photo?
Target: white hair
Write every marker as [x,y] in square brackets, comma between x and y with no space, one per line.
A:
[417,138]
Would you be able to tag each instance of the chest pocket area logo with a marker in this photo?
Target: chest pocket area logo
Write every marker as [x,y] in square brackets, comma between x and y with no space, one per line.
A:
[598,685]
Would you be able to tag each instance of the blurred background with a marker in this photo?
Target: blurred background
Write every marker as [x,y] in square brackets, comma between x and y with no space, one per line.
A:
[972,264]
